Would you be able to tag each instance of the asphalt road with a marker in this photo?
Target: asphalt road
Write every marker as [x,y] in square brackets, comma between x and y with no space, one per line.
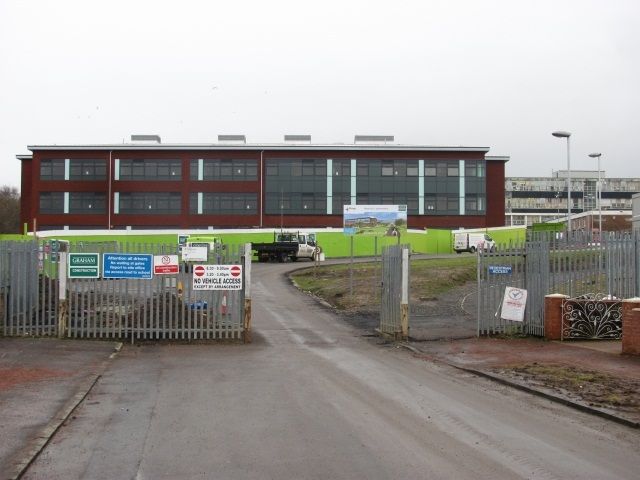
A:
[309,399]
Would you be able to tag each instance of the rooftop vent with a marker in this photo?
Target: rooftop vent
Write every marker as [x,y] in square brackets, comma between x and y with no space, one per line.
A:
[232,139]
[373,139]
[297,138]
[146,138]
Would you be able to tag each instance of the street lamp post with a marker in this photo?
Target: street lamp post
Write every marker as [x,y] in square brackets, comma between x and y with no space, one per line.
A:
[599,193]
[566,135]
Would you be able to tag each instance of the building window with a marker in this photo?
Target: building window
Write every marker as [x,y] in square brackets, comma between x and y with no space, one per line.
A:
[387,168]
[338,201]
[430,170]
[52,169]
[453,170]
[341,168]
[216,203]
[150,170]
[152,203]
[362,168]
[271,168]
[87,202]
[87,169]
[51,202]
[475,168]
[412,169]
[235,169]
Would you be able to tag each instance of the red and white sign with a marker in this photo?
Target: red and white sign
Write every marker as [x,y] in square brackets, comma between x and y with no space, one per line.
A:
[217,277]
[165,264]
[514,304]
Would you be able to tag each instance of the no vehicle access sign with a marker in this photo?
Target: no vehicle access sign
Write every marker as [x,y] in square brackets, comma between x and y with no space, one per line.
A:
[217,277]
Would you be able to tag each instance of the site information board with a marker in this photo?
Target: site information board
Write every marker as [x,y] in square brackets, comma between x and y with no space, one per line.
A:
[379,220]
[217,277]
[84,265]
[127,265]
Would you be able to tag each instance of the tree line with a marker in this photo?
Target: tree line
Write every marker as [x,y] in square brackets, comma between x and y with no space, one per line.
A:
[9,209]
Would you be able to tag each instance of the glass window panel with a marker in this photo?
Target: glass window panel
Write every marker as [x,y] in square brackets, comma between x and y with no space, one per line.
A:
[387,168]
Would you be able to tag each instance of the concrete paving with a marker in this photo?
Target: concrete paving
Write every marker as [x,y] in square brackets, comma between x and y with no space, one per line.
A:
[310,399]
[38,378]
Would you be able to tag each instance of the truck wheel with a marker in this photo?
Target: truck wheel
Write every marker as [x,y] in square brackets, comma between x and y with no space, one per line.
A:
[294,259]
[472,249]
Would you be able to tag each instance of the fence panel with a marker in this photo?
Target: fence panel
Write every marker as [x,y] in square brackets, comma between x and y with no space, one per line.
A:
[505,267]
[391,313]
[165,307]
[573,265]
[27,299]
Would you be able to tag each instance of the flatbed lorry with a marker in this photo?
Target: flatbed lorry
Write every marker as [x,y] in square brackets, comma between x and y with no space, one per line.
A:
[288,246]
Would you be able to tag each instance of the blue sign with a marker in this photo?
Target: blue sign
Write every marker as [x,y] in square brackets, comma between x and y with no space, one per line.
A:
[127,265]
[500,269]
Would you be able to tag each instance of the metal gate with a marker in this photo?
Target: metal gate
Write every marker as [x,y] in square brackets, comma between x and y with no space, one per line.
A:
[573,266]
[394,303]
[163,307]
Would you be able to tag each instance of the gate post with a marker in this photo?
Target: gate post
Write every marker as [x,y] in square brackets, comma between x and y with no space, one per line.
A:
[62,294]
[404,302]
[246,323]
[553,316]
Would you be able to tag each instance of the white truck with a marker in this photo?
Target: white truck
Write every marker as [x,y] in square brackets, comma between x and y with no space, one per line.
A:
[472,242]
[288,246]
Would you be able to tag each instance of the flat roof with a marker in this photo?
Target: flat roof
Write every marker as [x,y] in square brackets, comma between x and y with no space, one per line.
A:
[263,146]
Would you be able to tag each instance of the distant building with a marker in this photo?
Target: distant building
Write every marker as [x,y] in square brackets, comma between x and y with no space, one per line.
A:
[146,184]
[531,200]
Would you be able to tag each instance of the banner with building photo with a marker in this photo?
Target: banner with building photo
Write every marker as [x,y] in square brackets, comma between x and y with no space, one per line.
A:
[378,220]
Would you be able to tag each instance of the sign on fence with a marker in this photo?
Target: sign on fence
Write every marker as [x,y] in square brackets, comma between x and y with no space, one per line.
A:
[84,265]
[217,277]
[127,265]
[195,254]
[165,264]
[500,269]
[513,304]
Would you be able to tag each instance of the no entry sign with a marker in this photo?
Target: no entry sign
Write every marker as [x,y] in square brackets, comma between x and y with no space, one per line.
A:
[165,264]
[217,277]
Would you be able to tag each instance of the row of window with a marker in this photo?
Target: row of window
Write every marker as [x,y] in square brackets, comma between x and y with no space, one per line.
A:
[217,203]
[247,169]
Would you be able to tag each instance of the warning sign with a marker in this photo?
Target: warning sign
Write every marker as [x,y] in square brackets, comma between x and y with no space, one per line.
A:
[513,304]
[217,277]
[165,264]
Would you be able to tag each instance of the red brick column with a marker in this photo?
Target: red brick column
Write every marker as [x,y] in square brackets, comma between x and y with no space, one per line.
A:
[553,316]
[631,326]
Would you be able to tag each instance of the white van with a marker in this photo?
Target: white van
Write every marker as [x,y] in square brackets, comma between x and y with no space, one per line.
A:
[472,242]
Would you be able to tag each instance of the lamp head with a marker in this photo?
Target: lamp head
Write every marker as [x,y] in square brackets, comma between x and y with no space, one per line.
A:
[595,155]
[561,134]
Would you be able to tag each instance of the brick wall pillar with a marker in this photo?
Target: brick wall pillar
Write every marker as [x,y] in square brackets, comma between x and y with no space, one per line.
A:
[553,316]
[631,326]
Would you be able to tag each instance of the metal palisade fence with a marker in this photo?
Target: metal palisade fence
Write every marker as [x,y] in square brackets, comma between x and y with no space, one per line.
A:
[547,263]
[394,303]
[95,303]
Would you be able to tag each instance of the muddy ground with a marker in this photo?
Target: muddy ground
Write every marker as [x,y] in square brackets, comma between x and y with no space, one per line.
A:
[444,327]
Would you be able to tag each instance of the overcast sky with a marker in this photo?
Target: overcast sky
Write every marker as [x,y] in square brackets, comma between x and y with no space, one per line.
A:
[500,74]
